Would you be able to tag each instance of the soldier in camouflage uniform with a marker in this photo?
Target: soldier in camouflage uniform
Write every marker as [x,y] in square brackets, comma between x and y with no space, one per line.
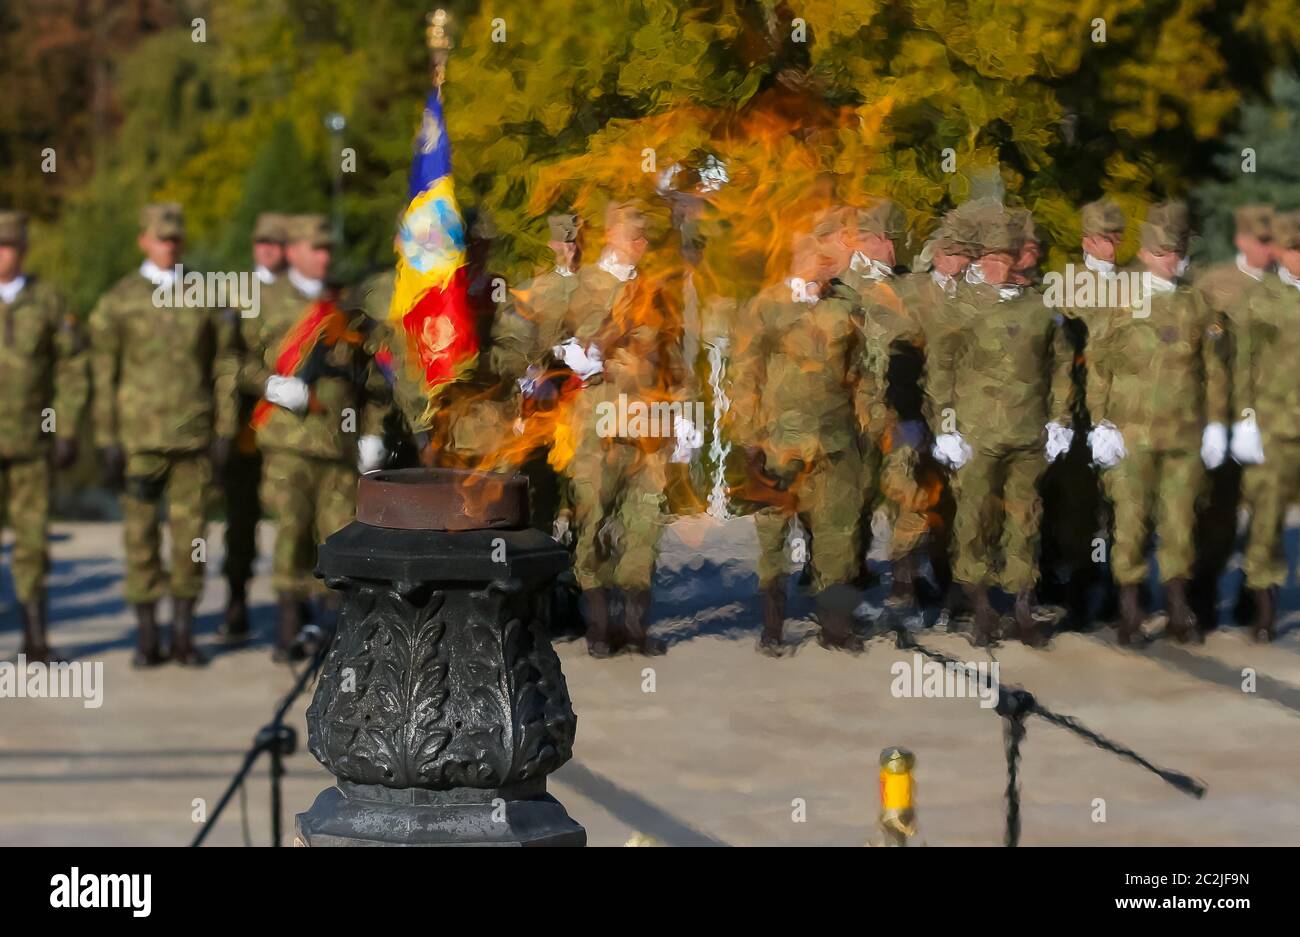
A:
[163,396]
[527,327]
[616,340]
[1225,287]
[999,383]
[242,473]
[1266,400]
[319,418]
[889,397]
[44,390]
[1157,390]
[795,382]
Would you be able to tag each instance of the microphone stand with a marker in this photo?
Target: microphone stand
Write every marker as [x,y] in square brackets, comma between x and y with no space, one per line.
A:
[275,739]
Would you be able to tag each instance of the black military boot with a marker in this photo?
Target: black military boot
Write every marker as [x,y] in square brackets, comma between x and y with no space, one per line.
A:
[636,603]
[147,650]
[1031,633]
[770,639]
[986,616]
[599,641]
[1183,625]
[233,629]
[835,615]
[902,592]
[183,650]
[1130,613]
[288,625]
[35,625]
[1264,628]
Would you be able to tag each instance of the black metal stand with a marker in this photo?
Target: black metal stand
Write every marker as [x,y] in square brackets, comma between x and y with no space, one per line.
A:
[1015,705]
[275,739]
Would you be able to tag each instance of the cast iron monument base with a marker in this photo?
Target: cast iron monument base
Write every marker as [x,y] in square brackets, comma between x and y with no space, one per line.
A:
[441,707]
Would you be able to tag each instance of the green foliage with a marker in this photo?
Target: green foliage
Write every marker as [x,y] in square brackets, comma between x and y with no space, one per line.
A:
[836,97]
[1271,130]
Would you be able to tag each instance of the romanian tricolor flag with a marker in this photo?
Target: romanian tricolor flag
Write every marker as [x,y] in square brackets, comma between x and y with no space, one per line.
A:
[429,296]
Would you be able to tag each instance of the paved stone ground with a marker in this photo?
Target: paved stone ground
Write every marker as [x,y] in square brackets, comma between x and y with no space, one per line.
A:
[724,748]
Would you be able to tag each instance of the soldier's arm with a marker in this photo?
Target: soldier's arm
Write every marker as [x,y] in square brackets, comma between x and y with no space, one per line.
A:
[106,358]
[1217,387]
[251,373]
[1097,383]
[375,393]
[942,349]
[71,367]
[1061,404]
[1243,371]
[514,338]
[225,372]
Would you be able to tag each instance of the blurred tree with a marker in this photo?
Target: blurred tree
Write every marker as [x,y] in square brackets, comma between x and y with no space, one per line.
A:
[1258,164]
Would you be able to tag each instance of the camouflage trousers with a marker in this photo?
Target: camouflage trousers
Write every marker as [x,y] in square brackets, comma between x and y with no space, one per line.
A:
[25,509]
[240,480]
[1268,490]
[903,499]
[310,499]
[999,515]
[827,498]
[183,481]
[1149,489]
[617,491]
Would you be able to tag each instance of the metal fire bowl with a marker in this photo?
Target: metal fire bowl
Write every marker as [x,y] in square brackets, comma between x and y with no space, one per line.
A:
[442,499]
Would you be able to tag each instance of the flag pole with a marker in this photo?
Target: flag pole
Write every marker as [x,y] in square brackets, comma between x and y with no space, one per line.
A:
[437,36]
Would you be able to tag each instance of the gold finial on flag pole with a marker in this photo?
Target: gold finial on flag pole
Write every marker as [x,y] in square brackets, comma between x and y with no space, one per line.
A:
[437,36]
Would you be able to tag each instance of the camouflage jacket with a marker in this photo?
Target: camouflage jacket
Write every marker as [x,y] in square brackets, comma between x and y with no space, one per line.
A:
[530,324]
[44,362]
[639,341]
[1268,347]
[796,371]
[1225,287]
[349,394]
[998,370]
[163,375]
[891,353]
[387,346]
[1159,378]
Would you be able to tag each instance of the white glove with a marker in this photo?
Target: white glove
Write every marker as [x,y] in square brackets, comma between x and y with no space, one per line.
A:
[287,392]
[1059,440]
[689,440]
[1107,444]
[1214,445]
[1247,446]
[582,362]
[372,455]
[951,450]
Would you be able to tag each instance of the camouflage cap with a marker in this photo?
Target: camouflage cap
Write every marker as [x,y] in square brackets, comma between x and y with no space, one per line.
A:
[272,227]
[564,227]
[1102,217]
[1286,230]
[830,221]
[1023,218]
[1255,220]
[1166,228]
[958,233]
[628,213]
[313,228]
[998,231]
[13,228]
[881,217]
[162,220]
